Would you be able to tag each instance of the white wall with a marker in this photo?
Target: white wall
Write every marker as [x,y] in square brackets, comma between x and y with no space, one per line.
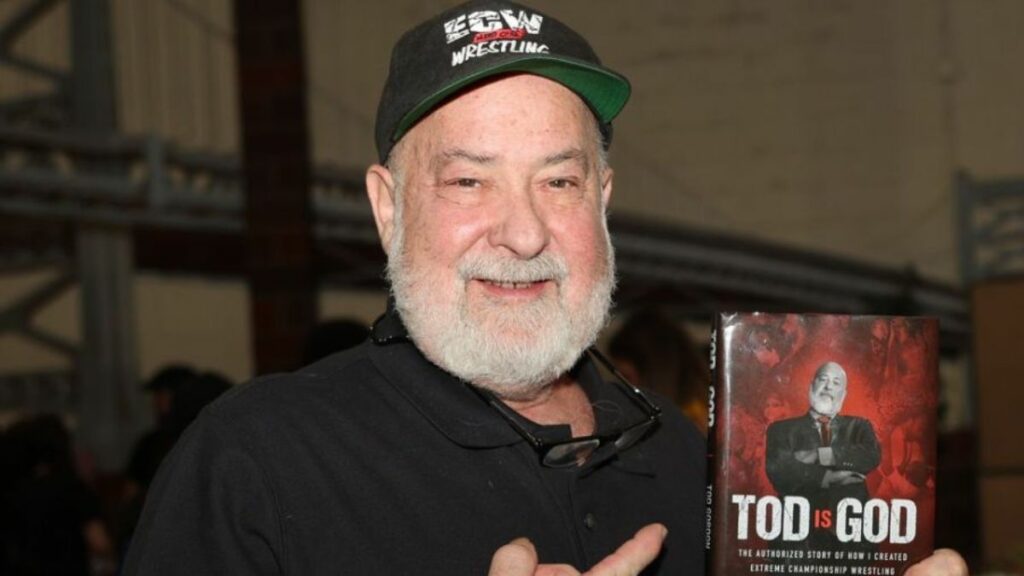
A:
[833,126]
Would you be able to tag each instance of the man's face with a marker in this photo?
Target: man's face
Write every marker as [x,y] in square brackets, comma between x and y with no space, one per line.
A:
[828,390]
[499,257]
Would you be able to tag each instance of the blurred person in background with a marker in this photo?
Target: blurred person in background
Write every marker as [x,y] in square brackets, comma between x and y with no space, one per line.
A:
[50,520]
[150,450]
[332,336]
[179,393]
[653,352]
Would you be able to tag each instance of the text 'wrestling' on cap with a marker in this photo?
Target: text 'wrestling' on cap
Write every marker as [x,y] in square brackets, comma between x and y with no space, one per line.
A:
[477,40]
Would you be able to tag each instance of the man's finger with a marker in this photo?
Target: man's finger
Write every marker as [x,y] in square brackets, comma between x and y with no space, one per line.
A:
[634,555]
[943,562]
[517,558]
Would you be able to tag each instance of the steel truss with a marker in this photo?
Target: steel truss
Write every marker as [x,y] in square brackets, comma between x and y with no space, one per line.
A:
[184,211]
[146,183]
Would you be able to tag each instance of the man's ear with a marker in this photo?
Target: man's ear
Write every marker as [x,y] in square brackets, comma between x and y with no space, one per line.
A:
[380,188]
[606,186]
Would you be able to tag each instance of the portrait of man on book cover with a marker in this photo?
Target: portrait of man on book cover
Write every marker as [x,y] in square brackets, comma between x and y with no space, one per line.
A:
[823,455]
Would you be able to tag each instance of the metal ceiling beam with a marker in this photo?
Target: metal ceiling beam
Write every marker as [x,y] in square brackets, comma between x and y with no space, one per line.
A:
[22,20]
[48,108]
[165,189]
[18,316]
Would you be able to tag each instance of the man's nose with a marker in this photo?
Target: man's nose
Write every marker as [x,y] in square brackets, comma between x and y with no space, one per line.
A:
[520,228]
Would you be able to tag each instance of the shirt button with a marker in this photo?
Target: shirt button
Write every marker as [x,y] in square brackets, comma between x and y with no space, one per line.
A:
[590,521]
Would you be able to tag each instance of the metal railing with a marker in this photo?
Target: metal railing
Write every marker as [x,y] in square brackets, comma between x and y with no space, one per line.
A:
[991,221]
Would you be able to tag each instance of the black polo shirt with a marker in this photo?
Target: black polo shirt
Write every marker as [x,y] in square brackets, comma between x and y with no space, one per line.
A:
[375,461]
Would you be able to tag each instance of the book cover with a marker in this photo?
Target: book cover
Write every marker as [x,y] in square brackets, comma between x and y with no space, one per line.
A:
[821,444]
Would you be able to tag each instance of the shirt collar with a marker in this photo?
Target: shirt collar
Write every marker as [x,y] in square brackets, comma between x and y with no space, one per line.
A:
[816,415]
[462,416]
[440,397]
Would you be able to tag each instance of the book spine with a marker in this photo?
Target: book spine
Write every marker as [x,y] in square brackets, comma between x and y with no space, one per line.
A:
[717,412]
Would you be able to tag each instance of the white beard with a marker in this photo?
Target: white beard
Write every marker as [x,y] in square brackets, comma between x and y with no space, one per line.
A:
[516,350]
[827,406]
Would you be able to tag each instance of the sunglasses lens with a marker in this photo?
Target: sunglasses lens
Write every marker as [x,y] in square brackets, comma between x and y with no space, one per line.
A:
[570,453]
[633,435]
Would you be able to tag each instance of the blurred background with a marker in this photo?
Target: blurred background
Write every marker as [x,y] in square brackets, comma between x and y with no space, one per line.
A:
[181,206]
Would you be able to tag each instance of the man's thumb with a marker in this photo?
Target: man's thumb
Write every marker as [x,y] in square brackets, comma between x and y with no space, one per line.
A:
[517,558]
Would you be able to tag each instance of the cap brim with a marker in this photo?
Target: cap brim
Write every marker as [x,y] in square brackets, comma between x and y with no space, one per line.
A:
[604,91]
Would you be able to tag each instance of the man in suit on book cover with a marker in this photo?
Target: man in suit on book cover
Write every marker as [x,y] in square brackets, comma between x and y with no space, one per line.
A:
[823,455]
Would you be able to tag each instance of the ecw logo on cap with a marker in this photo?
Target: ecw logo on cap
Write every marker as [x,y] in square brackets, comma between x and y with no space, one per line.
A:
[494,32]
[489,24]
[478,40]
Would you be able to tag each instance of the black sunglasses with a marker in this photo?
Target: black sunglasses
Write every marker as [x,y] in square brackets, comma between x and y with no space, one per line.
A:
[578,451]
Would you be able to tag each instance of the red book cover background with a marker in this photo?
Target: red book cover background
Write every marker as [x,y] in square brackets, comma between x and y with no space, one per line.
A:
[765,366]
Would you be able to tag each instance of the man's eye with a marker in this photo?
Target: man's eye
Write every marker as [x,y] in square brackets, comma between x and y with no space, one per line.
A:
[465,182]
[561,183]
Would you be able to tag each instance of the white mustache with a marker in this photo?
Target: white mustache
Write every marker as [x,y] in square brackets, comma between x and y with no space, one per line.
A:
[543,267]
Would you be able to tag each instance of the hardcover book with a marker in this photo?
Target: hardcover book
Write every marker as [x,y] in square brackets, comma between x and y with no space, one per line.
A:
[821,444]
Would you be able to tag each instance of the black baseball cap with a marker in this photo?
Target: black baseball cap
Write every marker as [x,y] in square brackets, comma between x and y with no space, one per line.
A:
[478,40]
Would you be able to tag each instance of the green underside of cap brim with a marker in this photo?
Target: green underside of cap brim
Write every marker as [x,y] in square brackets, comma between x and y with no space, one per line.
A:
[604,92]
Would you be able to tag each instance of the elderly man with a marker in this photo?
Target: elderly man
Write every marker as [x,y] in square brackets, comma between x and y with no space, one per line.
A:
[474,420]
[823,456]
[823,453]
